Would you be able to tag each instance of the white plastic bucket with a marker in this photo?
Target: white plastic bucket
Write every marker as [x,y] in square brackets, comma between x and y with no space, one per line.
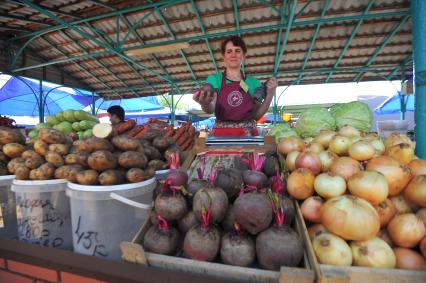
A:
[105,216]
[8,226]
[43,213]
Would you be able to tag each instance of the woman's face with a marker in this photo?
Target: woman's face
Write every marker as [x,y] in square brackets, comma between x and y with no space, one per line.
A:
[233,56]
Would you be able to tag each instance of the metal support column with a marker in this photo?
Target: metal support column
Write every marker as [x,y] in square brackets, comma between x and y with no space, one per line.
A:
[93,104]
[41,102]
[418,12]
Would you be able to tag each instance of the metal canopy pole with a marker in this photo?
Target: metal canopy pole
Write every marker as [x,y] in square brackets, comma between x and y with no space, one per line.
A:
[40,106]
[418,12]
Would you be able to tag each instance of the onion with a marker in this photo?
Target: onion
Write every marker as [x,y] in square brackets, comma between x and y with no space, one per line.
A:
[402,205]
[290,144]
[406,230]
[350,217]
[371,137]
[386,210]
[315,147]
[330,249]
[310,161]
[315,230]
[324,137]
[422,247]
[290,160]
[311,209]
[308,140]
[328,185]
[398,175]
[421,213]
[397,138]
[409,259]
[345,167]
[373,253]
[384,235]
[415,192]
[402,152]
[300,183]
[349,131]
[379,147]
[361,151]
[418,166]
[327,158]
[340,145]
[369,185]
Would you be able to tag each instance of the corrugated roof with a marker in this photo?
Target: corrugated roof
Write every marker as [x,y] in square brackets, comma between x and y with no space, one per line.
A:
[355,40]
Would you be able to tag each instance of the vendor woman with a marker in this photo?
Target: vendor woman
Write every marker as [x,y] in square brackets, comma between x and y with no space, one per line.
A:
[232,100]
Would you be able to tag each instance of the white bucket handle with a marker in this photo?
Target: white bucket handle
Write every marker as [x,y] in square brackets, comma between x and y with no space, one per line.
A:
[130,202]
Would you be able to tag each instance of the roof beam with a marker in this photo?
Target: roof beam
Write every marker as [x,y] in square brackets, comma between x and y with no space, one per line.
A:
[349,40]
[200,23]
[99,3]
[231,32]
[287,33]
[236,16]
[381,46]
[3,27]
[303,8]
[280,32]
[407,60]
[12,17]
[314,38]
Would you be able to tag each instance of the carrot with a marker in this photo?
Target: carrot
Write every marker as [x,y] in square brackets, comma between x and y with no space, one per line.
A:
[182,139]
[191,130]
[125,126]
[142,133]
[188,147]
[169,131]
[178,133]
[186,143]
[133,132]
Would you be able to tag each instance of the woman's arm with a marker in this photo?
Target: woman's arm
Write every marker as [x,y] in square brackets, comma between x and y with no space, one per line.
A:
[270,91]
[206,100]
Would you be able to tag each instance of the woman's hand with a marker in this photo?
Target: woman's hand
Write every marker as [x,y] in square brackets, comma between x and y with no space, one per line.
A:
[271,85]
[206,99]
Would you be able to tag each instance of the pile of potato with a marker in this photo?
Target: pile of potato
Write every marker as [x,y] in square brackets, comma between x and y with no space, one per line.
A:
[11,146]
[94,161]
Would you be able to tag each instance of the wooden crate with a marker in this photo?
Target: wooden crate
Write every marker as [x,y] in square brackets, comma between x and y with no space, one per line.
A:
[133,251]
[354,274]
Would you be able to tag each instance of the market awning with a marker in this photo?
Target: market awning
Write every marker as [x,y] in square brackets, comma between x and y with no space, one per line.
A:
[393,105]
[132,104]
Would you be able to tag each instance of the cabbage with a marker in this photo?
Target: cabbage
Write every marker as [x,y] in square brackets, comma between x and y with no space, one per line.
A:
[313,121]
[356,114]
[282,130]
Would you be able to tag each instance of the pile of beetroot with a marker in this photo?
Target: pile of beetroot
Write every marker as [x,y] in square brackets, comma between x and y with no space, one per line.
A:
[239,216]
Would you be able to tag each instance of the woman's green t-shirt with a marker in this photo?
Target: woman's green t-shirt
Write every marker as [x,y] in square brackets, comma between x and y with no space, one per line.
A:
[216,81]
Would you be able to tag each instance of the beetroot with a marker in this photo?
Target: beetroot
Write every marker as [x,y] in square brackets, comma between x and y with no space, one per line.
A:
[161,238]
[253,211]
[229,220]
[277,184]
[202,241]
[230,180]
[178,177]
[187,222]
[170,203]
[196,184]
[214,195]
[279,245]
[271,164]
[289,210]
[239,164]
[255,177]
[237,248]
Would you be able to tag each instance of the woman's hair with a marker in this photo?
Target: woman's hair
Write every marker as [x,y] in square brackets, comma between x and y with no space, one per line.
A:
[117,110]
[236,40]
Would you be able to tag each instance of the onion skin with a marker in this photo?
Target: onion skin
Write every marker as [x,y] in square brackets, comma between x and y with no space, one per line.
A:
[415,192]
[423,247]
[324,137]
[397,174]
[379,147]
[300,183]
[402,205]
[409,259]
[369,185]
[421,213]
[311,209]
[290,144]
[386,210]
[290,160]
[328,185]
[315,147]
[349,131]
[331,249]
[310,161]
[350,217]
[373,253]
[339,145]
[418,166]
[384,235]
[397,138]
[402,152]
[315,230]
[361,151]
[327,158]
[406,230]
[345,167]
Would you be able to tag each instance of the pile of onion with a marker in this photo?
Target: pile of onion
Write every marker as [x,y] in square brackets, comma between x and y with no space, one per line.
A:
[330,249]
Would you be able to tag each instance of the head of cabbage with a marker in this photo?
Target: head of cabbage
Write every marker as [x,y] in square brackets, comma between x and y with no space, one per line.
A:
[313,120]
[282,130]
[356,114]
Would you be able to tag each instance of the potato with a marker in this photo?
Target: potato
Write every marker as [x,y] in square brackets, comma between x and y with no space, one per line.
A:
[152,153]
[160,143]
[29,153]
[149,172]
[3,169]
[62,149]
[125,143]
[157,164]
[94,144]
[74,149]
[41,147]
[3,158]
[15,163]
[13,150]
[22,173]
[132,159]
[71,159]
[54,158]
[77,158]
[68,172]
[145,142]
[152,134]
[11,136]
[102,160]
[34,162]
[87,177]
[44,172]
[51,136]
[135,175]
[110,177]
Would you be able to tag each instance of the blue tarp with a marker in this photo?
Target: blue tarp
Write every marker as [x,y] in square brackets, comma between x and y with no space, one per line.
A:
[20,97]
[131,104]
[392,105]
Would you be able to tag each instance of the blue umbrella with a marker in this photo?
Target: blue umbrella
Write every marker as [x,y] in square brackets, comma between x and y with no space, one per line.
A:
[393,105]
[131,104]
[20,97]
